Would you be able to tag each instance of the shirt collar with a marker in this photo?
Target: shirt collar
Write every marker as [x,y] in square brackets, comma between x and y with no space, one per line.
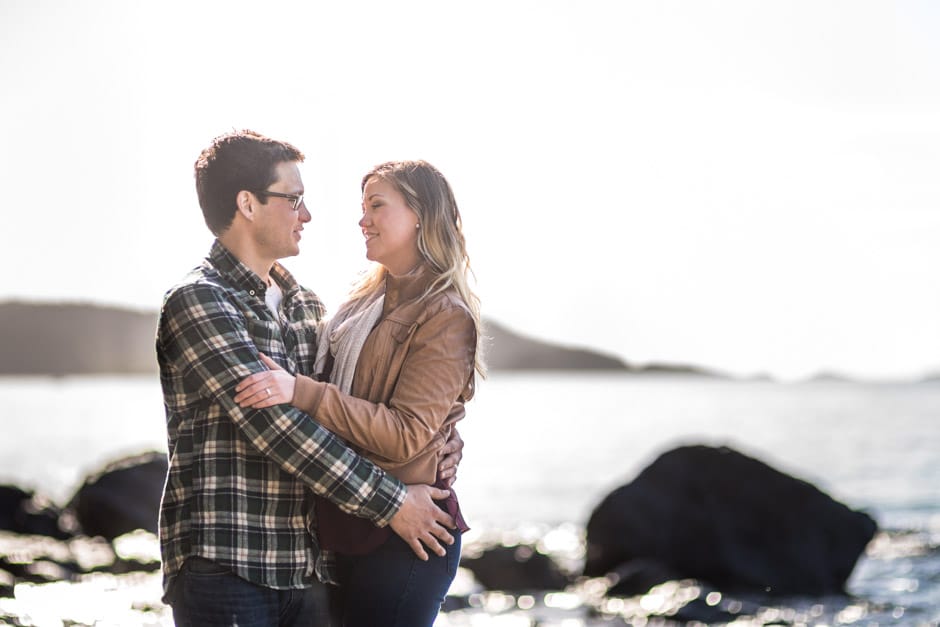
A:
[242,277]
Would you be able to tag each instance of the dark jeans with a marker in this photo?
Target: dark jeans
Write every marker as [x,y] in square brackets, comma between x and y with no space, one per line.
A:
[391,587]
[206,594]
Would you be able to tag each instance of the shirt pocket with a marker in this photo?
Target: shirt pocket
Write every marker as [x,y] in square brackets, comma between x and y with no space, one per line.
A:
[264,334]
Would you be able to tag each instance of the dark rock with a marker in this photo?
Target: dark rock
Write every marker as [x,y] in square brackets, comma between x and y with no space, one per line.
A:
[716,515]
[455,603]
[45,571]
[123,497]
[124,566]
[515,569]
[7,582]
[28,513]
[11,499]
[698,611]
[639,575]
[36,559]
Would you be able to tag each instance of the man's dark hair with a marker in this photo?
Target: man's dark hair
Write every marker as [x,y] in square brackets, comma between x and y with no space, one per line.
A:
[233,162]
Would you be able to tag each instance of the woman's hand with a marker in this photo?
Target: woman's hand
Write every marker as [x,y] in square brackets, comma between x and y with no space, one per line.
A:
[451,455]
[265,389]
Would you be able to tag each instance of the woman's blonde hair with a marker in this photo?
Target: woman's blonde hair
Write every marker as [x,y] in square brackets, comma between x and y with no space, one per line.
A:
[441,242]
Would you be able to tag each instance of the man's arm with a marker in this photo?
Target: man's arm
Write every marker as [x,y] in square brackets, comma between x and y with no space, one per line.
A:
[205,337]
[427,393]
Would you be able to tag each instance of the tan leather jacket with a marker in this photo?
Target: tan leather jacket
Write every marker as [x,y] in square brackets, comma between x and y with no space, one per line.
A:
[414,373]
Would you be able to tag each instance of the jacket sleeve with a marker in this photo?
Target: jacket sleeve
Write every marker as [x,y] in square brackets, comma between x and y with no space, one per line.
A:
[205,339]
[435,372]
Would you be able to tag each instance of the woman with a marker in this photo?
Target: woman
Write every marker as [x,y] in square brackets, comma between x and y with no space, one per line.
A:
[400,356]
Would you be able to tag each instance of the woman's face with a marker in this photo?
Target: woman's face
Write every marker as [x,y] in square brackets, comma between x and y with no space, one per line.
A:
[389,227]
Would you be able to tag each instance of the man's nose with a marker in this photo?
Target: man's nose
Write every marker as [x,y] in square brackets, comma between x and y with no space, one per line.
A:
[303,213]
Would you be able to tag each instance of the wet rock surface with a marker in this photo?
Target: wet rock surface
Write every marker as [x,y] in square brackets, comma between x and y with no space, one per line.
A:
[716,515]
[515,568]
[122,497]
[531,575]
[23,511]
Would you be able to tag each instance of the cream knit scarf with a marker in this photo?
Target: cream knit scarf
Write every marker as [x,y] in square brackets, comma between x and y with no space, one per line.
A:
[343,336]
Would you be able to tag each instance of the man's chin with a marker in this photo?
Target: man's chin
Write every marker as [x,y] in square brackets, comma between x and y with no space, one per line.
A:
[286,254]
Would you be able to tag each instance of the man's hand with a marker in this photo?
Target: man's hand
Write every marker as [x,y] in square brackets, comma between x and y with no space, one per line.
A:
[421,520]
[452,454]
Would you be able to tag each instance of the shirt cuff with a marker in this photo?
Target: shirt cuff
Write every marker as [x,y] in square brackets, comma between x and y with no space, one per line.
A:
[395,502]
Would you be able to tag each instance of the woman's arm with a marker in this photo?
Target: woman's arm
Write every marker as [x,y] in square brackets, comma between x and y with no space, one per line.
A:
[434,374]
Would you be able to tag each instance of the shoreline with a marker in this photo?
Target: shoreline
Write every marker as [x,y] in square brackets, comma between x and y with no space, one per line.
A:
[132,598]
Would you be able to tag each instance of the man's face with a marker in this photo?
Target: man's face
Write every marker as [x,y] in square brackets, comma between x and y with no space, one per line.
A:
[278,224]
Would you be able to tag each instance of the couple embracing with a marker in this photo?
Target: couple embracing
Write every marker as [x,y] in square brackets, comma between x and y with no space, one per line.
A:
[301,447]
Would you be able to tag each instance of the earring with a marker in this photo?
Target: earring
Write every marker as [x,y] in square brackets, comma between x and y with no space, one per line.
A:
[417,226]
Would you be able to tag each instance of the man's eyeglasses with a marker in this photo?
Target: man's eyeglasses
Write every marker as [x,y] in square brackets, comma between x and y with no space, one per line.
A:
[296,199]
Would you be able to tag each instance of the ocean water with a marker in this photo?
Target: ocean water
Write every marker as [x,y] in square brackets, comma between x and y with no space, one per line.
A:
[543,449]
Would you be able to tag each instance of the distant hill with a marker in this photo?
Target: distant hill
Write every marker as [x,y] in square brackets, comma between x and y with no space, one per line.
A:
[508,350]
[74,338]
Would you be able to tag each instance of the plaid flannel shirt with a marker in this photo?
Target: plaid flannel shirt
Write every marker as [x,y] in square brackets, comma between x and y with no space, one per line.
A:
[237,491]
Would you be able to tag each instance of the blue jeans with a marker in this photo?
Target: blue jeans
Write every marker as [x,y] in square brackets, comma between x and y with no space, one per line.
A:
[391,587]
[206,594]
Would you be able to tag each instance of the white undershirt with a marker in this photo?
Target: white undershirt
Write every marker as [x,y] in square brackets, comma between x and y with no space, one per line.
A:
[273,296]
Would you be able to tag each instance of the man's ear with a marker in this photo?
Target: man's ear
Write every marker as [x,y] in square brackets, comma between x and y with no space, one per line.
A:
[245,202]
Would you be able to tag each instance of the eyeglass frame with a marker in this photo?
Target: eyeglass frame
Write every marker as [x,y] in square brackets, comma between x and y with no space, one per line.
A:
[296,199]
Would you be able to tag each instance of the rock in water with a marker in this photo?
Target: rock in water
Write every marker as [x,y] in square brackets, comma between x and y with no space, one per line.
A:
[722,517]
[514,569]
[123,497]
[29,513]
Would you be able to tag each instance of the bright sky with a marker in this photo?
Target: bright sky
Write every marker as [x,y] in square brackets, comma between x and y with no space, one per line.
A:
[749,186]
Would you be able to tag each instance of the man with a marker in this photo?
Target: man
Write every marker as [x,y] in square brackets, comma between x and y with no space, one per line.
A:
[235,512]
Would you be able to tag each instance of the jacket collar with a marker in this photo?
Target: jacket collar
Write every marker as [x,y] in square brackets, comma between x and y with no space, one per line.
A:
[407,287]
